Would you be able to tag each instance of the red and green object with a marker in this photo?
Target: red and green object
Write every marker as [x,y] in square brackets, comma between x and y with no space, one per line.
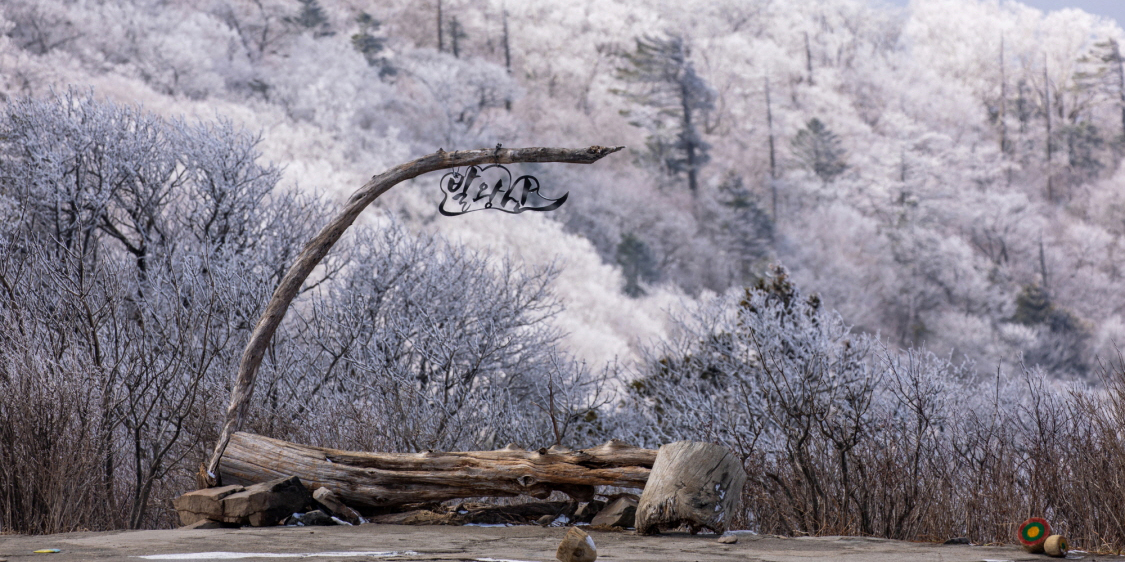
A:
[1033,533]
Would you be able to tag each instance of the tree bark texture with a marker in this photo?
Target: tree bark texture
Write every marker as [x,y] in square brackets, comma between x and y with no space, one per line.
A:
[315,250]
[373,480]
[698,484]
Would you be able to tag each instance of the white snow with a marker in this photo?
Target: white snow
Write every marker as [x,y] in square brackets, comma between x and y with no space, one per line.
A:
[240,555]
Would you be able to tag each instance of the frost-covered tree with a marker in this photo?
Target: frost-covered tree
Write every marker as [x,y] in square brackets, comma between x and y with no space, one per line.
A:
[451,344]
[673,100]
[147,246]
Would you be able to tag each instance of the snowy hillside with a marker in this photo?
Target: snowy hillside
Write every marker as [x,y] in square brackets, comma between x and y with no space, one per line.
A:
[924,202]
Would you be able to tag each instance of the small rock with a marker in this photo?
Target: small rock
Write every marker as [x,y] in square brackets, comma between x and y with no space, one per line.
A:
[314,518]
[958,540]
[621,512]
[728,539]
[203,524]
[333,505]
[545,520]
[587,510]
[577,546]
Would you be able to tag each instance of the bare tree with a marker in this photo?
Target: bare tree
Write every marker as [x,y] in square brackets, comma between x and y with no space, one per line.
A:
[139,240]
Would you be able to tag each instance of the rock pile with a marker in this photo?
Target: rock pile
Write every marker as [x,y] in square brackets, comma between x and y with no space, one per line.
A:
[280,501]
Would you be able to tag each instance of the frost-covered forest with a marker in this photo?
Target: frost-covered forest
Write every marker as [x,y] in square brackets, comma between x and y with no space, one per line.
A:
[941,185]
[943,175]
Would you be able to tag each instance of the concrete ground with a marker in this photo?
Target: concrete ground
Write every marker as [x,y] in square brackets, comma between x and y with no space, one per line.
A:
[394,543]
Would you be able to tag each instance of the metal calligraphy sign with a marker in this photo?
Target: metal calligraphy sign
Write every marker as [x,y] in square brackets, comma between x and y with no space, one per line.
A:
[491,187]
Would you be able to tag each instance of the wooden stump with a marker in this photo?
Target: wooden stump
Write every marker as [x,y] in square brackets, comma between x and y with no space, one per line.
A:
[697,484]
[1056,546]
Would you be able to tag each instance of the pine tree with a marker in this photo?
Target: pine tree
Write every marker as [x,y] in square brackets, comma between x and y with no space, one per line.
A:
[311,17]
[1104,68]
[637,264]
[663,81]
[456,34]
[819,150]
[370,45]
[749,229]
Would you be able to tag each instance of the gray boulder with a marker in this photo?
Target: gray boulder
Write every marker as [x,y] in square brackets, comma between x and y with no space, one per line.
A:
[621,512]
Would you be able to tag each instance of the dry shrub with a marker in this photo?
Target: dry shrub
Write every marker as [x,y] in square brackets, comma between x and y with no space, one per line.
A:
[50,474]
[843,436]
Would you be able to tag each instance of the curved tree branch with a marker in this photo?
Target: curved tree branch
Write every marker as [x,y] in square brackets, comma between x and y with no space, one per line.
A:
[318,247]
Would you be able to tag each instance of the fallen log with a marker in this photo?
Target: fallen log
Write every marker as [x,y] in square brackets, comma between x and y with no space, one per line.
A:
[376,480]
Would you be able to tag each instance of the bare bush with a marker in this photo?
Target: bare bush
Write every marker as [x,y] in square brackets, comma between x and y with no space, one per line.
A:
[452,346]
[841,435]
[135,260]
[139,252]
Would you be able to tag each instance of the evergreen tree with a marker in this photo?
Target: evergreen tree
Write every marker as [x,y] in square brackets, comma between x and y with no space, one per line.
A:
[663,81]
[637,263]
[370,45]
[1083,141]
[311,17]
[819,150]
[1061,338]
[749,229]
[1102,68]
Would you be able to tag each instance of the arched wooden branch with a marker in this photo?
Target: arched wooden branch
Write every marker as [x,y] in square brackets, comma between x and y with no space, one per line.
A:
[319,246]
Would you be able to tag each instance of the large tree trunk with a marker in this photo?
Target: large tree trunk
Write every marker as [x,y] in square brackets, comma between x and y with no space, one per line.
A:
[318,247]
[375,480]
[697,484]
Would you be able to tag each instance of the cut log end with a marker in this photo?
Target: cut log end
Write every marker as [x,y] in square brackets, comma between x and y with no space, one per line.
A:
[693,484]
[1056,546]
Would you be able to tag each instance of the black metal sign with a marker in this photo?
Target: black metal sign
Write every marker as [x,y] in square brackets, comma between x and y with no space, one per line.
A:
[492,187]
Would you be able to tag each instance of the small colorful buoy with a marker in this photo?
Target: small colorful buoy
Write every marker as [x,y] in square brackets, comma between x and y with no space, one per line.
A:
[1056,546]
[1033,533]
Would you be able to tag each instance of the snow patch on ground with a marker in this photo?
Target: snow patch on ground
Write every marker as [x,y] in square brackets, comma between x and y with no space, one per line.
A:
[239,555]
